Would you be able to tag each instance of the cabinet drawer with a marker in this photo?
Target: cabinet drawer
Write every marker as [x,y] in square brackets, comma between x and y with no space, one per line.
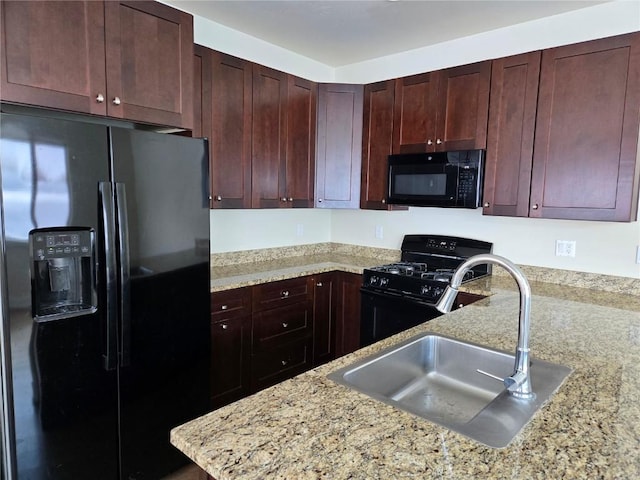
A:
[230,303]
[281,363]
[277,294]
[276,326]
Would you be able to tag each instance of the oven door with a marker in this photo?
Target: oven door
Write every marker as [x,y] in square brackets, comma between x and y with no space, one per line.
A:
[385,314]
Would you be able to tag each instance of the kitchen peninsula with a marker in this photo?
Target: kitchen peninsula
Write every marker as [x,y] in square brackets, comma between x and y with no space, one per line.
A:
[311,427]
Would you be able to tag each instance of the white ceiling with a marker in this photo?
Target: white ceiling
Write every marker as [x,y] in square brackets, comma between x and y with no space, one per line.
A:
[338,33]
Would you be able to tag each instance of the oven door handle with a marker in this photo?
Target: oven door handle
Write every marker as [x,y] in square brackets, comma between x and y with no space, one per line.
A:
[388,295]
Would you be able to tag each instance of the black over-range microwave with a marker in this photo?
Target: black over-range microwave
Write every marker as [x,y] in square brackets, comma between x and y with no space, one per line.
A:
[438,179]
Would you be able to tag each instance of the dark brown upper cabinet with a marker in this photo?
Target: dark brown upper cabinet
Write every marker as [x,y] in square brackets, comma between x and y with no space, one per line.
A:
[512,117]
[339,145]
[128,60]
[585,149]
[282,139]
[302,102]
[377,140]
[227,117]
[578,158]
[442,110]
[268,137]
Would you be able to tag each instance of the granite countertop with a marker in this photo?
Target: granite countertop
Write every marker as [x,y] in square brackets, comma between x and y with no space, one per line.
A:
[311,427]
[226,277]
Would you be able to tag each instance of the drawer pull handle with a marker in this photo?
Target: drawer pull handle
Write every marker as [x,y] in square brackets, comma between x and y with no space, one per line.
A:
[224,307]
[285,324]
[100,98]
[224,326]
[116,101]
[284,293]
[319,284]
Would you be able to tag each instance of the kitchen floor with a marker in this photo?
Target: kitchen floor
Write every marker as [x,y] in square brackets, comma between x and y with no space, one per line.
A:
[190,472]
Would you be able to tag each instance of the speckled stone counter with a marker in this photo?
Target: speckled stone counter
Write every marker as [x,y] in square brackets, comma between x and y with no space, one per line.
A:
[310,427]
[245,268]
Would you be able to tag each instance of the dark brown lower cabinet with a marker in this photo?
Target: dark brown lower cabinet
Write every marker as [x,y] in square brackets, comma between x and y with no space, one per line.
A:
[324,317]
[268,333]
[281,346]
[230,345]
[347,313]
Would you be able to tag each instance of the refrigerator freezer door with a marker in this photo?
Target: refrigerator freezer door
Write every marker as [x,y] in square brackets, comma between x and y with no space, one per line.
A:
[64,401]
[166,381]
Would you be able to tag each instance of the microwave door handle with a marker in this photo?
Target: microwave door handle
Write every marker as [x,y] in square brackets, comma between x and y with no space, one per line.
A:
[125,279]
[110,355]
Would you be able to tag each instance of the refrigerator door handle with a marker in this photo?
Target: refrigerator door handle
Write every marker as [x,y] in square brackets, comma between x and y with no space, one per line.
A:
[125,281]
[110,355]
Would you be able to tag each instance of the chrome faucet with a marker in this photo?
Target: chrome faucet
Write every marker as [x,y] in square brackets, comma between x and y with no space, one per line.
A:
[519,383]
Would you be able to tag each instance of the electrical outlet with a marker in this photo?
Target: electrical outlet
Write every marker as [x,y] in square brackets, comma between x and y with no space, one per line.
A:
[565,248]
[300,229]
[379,232]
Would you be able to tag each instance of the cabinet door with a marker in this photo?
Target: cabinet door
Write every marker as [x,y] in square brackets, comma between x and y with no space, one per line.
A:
[230,345]
[339,148]
[415,111]
[229,359]
[585,150]
[302,100]
[149,61]
[512,117]
[324,310]
[268,138]
[53,54]
[201,89]
[229,130]
[377,141]
[463,107]
[348,313]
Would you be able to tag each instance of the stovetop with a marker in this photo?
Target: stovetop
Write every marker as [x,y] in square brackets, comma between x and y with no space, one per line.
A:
[427,265]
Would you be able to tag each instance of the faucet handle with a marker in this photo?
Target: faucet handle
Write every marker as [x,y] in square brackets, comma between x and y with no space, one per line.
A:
[512,383]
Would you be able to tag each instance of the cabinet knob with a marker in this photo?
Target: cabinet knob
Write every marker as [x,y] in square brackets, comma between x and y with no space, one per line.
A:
[429,142]
[319,200]
[290,199]
[285,324]
[439,142]
[116,101]
[218,198]
[460,305]
[100,98]
[224,326]
[283,199]
[486,205]
[384,200]
[284,293]
[224,307]
[319,284]
[284,363]
[534,206]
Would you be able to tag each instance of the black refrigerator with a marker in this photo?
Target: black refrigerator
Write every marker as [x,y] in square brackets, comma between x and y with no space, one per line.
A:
[104,291]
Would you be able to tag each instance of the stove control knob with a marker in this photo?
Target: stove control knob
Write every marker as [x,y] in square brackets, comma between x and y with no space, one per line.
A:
[438,291]
[373,280]
[384,282]
[425,290]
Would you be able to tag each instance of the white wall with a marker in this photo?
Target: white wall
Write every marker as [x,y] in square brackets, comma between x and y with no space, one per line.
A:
[602,247]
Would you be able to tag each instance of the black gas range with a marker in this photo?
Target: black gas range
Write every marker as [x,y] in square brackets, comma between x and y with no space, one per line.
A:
[400,295]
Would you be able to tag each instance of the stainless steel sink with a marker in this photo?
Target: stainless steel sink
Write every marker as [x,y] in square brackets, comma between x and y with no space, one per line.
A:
[439,378]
